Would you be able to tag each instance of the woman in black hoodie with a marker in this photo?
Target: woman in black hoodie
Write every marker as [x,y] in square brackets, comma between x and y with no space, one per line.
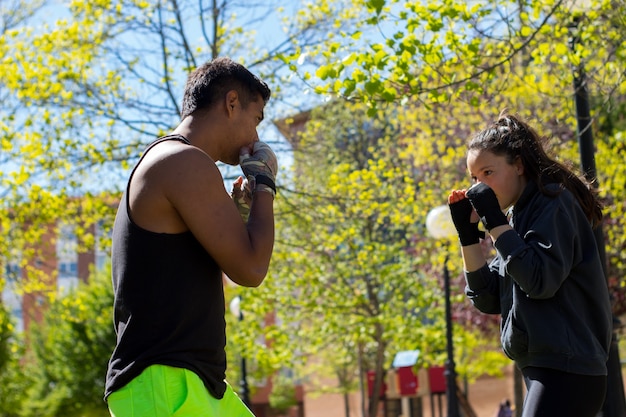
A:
[547,279]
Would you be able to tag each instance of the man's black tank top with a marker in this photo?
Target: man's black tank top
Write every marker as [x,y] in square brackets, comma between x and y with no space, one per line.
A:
[169,303]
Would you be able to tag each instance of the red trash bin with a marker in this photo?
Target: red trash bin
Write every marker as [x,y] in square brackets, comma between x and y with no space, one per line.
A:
[407,381]
[437,379]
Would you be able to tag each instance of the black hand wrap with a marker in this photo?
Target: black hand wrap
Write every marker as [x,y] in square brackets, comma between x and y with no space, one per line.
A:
[468,232]
[486,204]
[265,180]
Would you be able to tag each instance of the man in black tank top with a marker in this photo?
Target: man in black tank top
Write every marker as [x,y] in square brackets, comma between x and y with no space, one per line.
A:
[177,231]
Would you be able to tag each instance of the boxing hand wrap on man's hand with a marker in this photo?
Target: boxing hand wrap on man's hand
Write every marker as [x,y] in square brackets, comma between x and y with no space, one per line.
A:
[486,204]
[242,196]
[468,231]
[260,168]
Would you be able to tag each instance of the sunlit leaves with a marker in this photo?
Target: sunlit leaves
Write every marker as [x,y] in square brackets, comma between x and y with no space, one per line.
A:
[69,353]
[353,268]
[442,50]
[13,380]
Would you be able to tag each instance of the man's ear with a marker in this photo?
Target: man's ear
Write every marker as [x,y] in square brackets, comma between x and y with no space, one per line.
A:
[232,100]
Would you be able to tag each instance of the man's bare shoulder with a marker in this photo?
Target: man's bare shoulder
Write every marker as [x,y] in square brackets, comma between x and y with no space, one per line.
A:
[166,154]
[171,177]
[176,164]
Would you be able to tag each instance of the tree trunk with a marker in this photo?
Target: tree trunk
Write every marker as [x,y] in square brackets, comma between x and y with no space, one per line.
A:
[379,373]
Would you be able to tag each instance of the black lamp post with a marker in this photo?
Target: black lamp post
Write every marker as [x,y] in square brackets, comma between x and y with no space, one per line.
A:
[453,406]
[615,402]
[235,308]
[440,226]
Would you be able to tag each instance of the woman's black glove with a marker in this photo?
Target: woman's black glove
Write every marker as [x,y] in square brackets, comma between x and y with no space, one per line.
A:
[486,204]
[468,231]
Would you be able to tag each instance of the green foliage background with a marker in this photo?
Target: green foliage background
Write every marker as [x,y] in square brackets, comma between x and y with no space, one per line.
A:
[400,86]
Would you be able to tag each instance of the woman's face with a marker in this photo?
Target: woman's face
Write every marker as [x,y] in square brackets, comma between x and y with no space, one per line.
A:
[506,180]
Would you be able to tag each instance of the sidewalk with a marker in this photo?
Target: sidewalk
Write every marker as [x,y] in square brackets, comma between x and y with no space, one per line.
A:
[484,396]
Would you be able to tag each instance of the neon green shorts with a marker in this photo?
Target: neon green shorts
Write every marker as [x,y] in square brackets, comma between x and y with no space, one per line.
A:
[161,391]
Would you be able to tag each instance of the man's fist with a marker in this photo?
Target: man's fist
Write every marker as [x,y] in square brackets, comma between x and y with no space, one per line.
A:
[242,196]
[261,167]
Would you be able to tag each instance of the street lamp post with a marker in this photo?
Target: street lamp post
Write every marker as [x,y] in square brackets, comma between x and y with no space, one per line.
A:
[439,225]
[235,308]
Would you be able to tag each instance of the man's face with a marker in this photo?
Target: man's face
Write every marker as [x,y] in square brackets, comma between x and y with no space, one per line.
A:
[245,122]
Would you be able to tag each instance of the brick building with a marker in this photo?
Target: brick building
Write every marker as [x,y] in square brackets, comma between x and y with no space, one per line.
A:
[59,266]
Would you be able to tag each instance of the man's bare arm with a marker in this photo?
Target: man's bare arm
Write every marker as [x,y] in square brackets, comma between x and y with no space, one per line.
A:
[194,187]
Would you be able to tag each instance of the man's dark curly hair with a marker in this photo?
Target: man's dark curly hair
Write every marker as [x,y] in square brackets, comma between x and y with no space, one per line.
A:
[210,82]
